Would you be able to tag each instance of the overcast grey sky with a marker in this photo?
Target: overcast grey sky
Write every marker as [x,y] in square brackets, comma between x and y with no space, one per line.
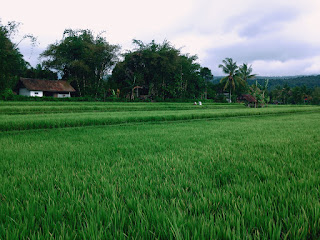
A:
[278,37]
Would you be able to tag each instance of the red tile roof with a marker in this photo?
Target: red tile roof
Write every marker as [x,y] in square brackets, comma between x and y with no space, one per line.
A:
[47,85]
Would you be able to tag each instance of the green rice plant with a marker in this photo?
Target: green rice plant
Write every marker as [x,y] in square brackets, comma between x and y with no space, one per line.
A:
[255,177]
[62,107]
[58,120]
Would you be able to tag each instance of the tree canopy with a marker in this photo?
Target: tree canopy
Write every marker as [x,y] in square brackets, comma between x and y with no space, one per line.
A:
[83,59]
[40,72]
[206,74]
[12,64]
[245,72]
[233,78]
[161,69]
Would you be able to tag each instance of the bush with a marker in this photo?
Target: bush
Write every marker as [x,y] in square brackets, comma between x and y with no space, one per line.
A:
[220,98]
[7,94]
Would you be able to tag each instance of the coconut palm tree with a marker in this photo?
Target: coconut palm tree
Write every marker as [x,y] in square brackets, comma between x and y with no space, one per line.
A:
[245,72]
[230,67]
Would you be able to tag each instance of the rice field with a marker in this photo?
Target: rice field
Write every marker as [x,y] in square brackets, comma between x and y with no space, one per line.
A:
[61,107]
[159,171]
[24,116]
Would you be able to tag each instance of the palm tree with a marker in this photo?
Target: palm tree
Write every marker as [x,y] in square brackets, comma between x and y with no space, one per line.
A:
[229,67]
[245,72]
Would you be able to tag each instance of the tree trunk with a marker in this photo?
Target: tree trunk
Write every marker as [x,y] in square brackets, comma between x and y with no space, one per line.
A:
[79,89]
[163,90]
[84,85]
[206,92]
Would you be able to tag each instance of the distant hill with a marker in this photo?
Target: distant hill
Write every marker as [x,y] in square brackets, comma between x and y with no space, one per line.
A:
[292,81]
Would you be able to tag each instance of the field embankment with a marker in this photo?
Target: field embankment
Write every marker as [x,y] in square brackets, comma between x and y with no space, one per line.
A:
[27,116]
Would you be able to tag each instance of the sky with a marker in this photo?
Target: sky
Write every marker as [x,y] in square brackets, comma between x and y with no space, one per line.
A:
[276,37]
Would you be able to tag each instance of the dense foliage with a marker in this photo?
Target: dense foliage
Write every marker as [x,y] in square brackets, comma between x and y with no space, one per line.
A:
[297,95]
[294,81]
[82,59]
[234,76]
[12,64]
[160,71]
[40,72]
[263,89]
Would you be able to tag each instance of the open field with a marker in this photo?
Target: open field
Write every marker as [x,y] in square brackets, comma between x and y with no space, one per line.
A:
[78,107]
[62,107]
[55,115]
[236,173]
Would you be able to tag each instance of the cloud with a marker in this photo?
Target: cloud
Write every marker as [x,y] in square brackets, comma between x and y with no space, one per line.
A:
[313,66]
[270,56]
[308,66]
[276,33]
[270,48]
[270,22]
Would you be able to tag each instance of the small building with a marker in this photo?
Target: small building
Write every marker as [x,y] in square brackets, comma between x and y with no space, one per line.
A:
[40,88]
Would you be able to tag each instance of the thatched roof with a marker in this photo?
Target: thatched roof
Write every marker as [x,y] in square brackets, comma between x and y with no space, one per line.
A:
[46,85]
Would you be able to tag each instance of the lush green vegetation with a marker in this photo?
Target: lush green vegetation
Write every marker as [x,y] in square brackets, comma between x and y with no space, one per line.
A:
[67,107]
[149,72]
[83,59]
[160,71]
[284,90]
[116,113]
[254,177]
[12,63]
[292,81]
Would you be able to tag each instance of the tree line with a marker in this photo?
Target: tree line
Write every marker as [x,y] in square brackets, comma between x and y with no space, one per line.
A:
[151,71]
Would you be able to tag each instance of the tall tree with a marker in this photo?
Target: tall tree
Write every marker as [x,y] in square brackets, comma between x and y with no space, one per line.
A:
[12,64]
[232,79]
[260,93]
[161,69]
[316,96]
[82,59]
[206,74]
[286,93]
[245,72]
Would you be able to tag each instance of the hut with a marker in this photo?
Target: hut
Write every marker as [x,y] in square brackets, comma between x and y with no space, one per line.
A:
[40,88]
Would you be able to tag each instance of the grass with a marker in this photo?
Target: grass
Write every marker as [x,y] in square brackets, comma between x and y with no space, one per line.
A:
[120,114]
[63,107]
[78,107]
[223,178]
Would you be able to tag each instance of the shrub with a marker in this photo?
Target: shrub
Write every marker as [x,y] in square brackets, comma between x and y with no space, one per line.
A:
[7,94]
